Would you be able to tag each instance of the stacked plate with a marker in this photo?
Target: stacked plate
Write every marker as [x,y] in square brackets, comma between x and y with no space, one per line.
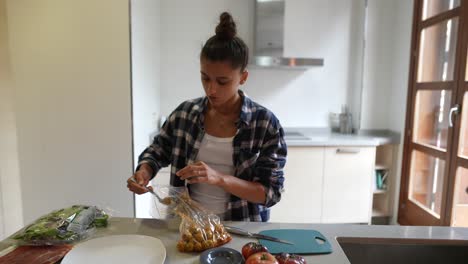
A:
[118,249]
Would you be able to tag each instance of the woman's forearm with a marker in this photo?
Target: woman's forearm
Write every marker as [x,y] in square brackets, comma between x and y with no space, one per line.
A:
[147,167]
[253,192]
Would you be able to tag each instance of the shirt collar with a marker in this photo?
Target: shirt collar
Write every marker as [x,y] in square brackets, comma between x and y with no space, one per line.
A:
[245,114]
[246,108]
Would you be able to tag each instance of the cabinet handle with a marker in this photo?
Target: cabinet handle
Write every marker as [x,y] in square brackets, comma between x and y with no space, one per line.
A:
[347,151]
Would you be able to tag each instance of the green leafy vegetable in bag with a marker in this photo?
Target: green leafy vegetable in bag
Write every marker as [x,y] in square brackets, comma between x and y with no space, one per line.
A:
[63,226]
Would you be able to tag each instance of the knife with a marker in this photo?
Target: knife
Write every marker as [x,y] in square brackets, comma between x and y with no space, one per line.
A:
[242,232]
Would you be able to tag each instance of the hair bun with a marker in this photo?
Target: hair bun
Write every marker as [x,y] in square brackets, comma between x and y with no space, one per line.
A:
[226,28]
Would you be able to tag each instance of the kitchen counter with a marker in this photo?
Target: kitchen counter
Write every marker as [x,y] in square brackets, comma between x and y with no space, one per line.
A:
[324,137]
[168,232]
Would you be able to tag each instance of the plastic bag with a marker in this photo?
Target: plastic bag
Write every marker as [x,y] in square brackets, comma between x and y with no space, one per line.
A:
[199,229]
[165,210]
[63,226]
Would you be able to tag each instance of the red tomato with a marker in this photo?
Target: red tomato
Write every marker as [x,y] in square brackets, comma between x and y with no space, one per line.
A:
[251,248]
[262,258]
[285,258]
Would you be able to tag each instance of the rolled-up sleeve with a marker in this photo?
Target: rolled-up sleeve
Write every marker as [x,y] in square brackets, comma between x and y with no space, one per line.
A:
[270,164]
[158,154]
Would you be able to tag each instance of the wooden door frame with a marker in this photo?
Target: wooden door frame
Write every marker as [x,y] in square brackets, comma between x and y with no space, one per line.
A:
[406,208]
[462,87]
[414,57]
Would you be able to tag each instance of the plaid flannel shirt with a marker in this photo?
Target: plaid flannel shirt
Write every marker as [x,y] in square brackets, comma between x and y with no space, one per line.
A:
[259,151]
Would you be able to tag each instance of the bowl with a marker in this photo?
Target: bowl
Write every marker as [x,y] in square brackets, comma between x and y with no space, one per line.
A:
[221,255]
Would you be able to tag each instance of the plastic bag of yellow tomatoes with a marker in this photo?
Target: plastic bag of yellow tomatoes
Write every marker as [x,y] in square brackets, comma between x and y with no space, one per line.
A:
[199,229]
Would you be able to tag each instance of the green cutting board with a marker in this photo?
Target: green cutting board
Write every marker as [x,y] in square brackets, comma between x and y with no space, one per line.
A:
[306,241]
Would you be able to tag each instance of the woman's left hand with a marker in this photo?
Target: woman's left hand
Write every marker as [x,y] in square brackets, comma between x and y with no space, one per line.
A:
[199,172]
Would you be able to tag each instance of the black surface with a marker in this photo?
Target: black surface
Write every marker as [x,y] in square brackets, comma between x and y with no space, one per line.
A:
[361,253]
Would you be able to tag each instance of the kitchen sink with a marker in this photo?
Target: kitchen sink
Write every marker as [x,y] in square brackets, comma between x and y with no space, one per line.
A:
[403,251]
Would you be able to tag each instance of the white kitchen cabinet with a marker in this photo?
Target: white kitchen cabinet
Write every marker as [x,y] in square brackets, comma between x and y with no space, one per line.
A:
[347,184]
[301,202]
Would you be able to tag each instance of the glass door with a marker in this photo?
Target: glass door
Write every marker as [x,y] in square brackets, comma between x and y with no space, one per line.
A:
[458,211]
[433,93]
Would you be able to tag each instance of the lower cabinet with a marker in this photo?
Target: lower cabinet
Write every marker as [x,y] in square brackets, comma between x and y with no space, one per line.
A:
[347,185]
[327,185]
[301,201]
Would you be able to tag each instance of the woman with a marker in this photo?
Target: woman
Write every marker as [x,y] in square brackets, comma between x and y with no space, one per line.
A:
[229,150]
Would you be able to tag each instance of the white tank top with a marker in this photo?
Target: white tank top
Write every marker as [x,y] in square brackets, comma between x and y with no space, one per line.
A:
[217,153]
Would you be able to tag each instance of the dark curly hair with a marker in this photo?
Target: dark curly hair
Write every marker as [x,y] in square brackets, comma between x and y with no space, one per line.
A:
[225,45]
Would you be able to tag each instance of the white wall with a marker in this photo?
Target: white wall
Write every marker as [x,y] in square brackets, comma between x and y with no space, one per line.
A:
[146,53]
[71,66]
[332,30]
[403,21]
[378,64]
[399,89]
[386,64]
[185,26]
[11,206]
[308,95]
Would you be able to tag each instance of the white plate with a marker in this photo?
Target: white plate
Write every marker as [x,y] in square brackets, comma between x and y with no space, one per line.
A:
[118,249]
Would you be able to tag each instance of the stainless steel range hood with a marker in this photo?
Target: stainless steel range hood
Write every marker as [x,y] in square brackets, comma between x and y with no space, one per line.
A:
[269,38]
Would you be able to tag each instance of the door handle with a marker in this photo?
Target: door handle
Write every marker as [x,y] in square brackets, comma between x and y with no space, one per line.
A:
[454,110]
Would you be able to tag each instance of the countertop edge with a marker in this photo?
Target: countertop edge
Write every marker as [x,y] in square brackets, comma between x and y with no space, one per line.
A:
[323,137]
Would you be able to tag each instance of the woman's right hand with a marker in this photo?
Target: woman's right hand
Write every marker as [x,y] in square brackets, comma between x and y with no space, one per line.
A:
[142,178]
